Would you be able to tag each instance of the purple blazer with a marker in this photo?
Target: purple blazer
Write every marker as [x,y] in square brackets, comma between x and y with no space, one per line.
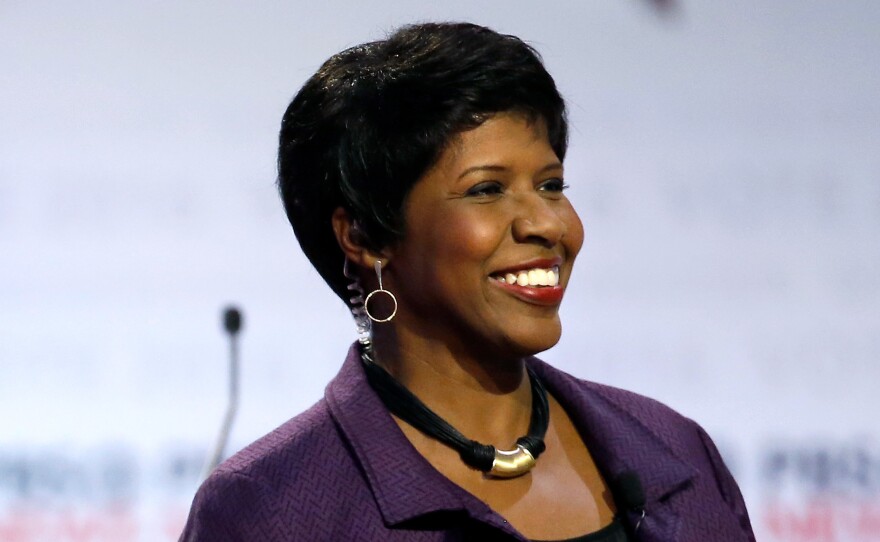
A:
[344,471]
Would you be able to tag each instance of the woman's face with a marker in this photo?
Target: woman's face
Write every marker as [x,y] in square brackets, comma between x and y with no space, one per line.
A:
[489,242]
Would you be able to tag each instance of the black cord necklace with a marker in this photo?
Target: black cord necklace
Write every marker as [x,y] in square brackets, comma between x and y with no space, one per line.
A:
[484,457]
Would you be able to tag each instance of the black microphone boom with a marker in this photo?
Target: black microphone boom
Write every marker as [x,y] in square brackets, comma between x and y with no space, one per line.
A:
[232,320]
[232,323]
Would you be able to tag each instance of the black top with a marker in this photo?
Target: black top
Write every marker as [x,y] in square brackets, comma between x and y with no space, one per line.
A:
[613,532]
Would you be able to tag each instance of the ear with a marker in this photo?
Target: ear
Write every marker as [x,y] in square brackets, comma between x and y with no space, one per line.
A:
[352,241]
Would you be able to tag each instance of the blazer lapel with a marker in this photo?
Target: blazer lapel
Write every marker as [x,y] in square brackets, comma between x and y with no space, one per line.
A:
[624,440]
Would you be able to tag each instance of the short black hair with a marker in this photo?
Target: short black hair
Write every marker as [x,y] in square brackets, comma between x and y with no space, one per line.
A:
[376,117]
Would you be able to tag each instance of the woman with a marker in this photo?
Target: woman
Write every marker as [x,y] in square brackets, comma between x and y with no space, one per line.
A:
[423,178]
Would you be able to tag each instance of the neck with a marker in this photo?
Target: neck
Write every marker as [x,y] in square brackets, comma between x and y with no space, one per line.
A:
[486,398]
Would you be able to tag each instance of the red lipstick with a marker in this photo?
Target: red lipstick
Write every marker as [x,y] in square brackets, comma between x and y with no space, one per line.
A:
[536,295]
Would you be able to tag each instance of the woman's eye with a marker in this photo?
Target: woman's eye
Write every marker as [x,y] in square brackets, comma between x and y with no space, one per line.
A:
[553,185]
[489,188]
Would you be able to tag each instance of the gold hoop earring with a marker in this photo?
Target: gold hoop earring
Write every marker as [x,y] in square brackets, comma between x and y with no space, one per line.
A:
[380,290]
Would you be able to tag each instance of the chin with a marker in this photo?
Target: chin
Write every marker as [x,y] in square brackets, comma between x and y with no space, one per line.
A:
[530,344]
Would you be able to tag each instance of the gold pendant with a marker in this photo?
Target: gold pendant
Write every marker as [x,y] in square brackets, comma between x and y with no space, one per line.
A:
[511,463]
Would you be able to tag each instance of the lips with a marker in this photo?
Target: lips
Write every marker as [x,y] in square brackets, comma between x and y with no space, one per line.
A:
[535,282]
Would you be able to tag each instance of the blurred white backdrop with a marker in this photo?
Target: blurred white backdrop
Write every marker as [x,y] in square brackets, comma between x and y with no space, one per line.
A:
[723,159]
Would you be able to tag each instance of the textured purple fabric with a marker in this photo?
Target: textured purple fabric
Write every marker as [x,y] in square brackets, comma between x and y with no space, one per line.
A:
[344,471]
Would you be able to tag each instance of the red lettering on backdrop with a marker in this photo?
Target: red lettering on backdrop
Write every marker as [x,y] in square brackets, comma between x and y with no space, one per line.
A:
[174,522]
[109,524]
[101,525]
[78,527]
[803,523]
[868,523]
[823,520]
[18,525]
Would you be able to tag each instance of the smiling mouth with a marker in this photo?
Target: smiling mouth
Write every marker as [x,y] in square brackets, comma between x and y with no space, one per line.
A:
[533,278]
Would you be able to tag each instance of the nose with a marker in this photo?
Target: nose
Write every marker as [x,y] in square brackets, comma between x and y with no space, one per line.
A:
[536,221]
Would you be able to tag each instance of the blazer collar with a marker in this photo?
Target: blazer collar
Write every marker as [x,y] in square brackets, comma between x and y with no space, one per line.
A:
[404,485]
[624,437]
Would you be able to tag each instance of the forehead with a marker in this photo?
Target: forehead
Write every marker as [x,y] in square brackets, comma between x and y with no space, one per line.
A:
[498,135]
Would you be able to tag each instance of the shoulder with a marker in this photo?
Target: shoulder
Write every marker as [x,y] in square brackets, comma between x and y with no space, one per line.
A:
[630,424]
[617,405]
[657,416]
[258,493]
[294,449]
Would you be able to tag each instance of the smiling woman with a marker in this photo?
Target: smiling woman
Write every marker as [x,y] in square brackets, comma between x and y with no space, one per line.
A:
[491,206]
[423,177]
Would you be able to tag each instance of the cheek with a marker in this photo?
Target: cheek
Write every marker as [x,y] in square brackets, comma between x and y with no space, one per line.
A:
[472,237]
[574,231]
[444,245]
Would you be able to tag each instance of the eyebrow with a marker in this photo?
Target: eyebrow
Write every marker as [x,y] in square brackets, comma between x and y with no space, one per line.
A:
[549,167]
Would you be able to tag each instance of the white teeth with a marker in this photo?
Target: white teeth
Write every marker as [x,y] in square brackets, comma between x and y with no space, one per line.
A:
[533,277]
[542,277]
